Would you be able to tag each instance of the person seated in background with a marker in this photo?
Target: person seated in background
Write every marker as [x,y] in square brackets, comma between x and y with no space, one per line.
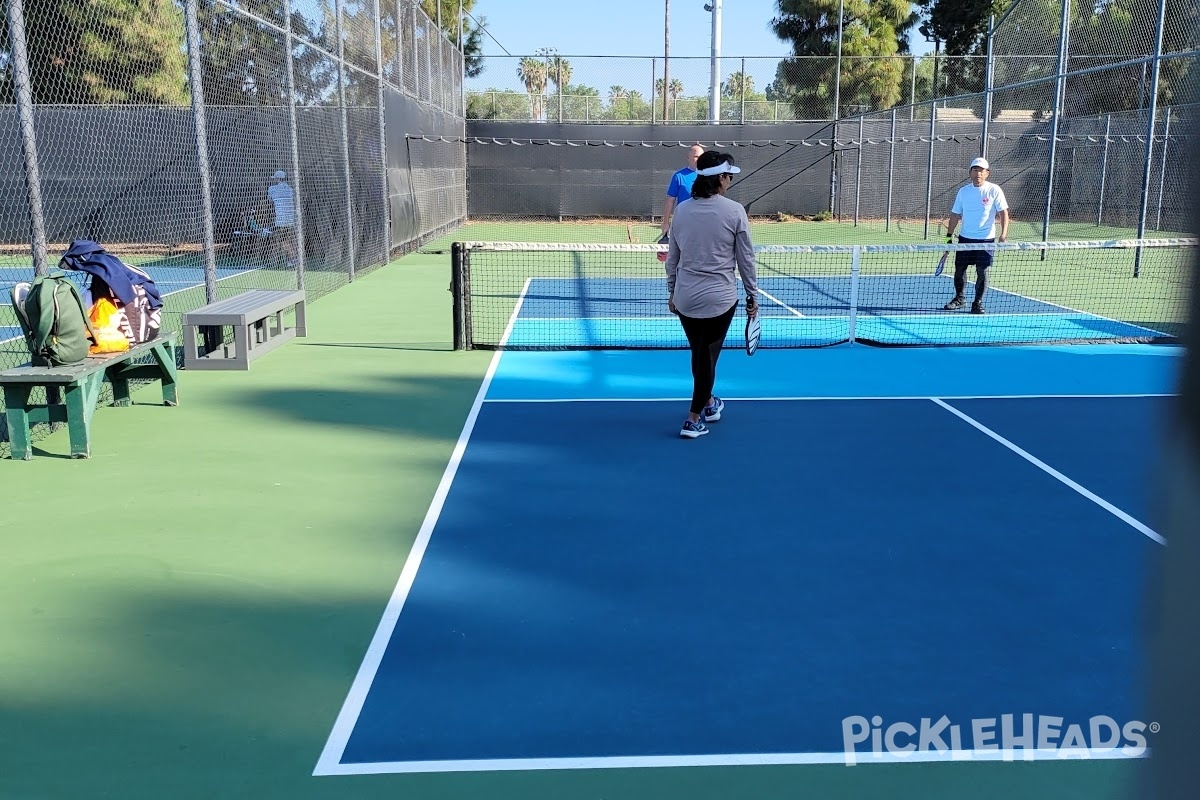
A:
[283,198]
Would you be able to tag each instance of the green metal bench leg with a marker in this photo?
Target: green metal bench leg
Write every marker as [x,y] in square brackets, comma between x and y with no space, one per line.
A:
[165,356]
[15,400]
[81,404]
[120,387]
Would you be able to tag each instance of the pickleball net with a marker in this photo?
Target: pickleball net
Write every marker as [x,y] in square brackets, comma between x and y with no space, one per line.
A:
[546,296]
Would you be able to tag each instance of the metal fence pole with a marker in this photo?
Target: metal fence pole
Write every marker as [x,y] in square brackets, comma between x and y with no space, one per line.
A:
[24,99]
[987,86]
[912,92]
[1060,85]
[833,172]
[837,78]
[1152,113]
[887,219]
[929,170]
[742,113]
[654,78]
[1162,174]
[462,66]
[399,6]
[341,53]
[858,170]
[385,198]
[437,86]
[1103,170]
[294,146]
[192,21]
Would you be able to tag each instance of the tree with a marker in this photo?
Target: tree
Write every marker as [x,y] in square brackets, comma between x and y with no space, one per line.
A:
[472,33]
[558,69]
[105,51]
[674,92]
[739,85]
[532,72]
[500,104]
[626,104]
[242,62]
[871,33]
[961,27]
[582,102]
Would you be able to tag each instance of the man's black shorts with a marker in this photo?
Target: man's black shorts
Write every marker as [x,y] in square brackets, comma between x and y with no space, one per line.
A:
[980,259]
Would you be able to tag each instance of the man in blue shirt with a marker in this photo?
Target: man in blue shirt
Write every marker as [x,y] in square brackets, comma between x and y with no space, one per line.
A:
[680,187]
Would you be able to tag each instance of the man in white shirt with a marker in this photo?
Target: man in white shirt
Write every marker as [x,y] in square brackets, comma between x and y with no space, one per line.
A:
[980,206]
[284,199]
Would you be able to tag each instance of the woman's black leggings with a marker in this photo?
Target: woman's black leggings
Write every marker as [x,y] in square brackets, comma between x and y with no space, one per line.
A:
[706,337]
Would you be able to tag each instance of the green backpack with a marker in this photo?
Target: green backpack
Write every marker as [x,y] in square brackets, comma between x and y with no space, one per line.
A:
[54,320]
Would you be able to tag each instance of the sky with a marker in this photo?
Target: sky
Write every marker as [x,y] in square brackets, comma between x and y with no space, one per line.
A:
[630,28]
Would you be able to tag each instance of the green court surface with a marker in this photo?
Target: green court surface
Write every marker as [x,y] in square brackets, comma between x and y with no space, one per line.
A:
[183,613]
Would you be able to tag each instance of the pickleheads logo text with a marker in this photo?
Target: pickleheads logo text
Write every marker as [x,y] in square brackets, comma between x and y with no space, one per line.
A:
[1011,736]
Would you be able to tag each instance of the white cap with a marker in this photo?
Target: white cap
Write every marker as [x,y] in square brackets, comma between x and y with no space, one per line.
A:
[980,162]
[719,169]
[280,175]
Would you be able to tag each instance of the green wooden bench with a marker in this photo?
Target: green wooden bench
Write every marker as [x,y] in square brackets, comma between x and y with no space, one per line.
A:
[81,384]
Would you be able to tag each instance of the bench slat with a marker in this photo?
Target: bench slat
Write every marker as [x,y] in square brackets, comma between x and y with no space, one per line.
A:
[246,307]
[73,372]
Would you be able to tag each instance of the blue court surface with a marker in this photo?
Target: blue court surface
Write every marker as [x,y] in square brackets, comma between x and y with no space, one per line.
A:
[802,311]
[867,540]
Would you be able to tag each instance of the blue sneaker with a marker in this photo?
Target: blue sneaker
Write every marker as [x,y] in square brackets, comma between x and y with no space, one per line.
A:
[693,430]
[713,413]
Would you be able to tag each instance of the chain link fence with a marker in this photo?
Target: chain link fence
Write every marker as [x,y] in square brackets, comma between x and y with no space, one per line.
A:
[1086,130]
[157,128]
[754,89]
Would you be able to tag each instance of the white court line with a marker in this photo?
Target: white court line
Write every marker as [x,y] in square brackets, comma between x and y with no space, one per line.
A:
[776,398]
[731,760]
[329,762]
[1075,310]
[1100,501]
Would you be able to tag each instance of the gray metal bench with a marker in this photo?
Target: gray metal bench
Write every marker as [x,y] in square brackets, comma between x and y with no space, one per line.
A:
[256,317]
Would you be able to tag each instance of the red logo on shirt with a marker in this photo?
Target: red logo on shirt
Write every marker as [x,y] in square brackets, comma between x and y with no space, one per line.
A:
[986,200]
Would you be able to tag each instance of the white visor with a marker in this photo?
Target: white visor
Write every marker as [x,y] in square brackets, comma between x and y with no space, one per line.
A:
[719,169]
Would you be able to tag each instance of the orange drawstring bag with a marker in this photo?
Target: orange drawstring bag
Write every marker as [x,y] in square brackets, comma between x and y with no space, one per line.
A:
[106,324]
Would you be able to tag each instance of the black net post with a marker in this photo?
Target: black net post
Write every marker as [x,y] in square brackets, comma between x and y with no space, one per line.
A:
[460,282]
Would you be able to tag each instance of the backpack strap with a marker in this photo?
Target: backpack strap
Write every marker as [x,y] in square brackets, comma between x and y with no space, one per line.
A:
[87,319]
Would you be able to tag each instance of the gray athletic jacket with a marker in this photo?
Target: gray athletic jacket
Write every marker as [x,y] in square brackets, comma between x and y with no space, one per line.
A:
[710,237]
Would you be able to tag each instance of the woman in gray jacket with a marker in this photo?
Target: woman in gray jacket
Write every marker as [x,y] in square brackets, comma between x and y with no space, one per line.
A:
[710,246]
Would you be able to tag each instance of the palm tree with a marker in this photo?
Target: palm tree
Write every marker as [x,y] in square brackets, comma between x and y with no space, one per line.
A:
[532,73]
[738,85]
[558,70]
[675,92]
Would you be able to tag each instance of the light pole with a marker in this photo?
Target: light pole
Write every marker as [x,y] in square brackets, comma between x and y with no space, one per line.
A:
[714,85]
[930,35]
